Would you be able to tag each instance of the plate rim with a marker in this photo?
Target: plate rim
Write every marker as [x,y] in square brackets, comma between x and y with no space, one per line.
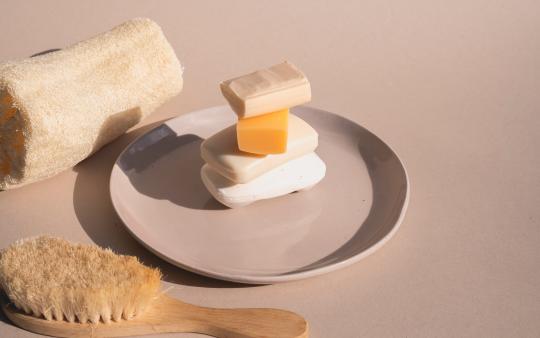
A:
[266,279]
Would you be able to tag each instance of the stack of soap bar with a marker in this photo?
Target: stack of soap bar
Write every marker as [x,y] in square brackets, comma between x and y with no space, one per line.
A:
[269,152]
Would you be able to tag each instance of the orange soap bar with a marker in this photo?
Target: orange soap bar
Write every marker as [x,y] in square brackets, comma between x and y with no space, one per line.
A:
[263,134]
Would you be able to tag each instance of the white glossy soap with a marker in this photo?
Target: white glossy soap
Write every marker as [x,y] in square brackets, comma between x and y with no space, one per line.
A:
[298,174]
[221,152]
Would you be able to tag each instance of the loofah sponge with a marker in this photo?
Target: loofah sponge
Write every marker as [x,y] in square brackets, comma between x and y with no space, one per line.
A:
[57,109]
[56,279]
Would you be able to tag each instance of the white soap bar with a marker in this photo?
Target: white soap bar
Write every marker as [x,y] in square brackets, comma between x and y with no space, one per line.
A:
[267,90]
[299,174]
[222,153]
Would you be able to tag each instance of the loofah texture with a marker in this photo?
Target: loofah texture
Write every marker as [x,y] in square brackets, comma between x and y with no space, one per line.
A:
[56,109]
[51,277]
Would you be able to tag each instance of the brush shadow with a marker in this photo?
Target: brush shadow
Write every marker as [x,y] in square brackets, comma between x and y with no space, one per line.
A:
[4,300]
[94,210]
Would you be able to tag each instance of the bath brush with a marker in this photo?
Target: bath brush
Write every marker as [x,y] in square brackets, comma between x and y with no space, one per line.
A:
[58,288]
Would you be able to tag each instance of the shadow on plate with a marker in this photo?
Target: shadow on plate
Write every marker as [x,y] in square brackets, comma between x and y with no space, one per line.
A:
[99,220]
[166,166]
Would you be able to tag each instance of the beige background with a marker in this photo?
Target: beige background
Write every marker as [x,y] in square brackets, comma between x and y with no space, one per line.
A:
[452,86]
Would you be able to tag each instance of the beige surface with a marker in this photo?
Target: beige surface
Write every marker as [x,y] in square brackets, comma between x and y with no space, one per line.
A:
[452,86]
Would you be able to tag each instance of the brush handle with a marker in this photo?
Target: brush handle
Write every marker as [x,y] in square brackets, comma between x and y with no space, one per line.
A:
[168,315]
[240,323]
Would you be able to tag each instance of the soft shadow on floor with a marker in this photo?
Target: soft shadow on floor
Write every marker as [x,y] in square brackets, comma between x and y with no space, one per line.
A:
[98,218]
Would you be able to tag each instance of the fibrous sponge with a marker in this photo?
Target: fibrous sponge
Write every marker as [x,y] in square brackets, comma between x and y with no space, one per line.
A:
[56,109]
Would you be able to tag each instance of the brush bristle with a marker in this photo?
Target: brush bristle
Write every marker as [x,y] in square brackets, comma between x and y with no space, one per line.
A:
[52,278]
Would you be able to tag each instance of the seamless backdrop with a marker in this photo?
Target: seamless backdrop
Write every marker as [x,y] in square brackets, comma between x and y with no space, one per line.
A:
[452,86]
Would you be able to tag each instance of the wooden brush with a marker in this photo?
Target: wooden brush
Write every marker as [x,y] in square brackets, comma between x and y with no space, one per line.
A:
[62,289]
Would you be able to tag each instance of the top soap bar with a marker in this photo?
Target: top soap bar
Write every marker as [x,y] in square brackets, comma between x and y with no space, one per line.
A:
[267,90]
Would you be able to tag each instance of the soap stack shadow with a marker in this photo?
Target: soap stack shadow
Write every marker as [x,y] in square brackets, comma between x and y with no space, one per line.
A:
[166,166]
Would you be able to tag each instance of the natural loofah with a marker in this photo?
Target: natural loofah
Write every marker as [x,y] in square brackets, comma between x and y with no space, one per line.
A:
[56,279]
[58,108]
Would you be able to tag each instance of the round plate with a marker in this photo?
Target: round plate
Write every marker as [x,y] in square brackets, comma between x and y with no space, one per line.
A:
[157,191]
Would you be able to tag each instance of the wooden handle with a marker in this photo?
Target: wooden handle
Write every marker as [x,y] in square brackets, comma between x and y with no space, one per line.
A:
[248,323]
[171,315]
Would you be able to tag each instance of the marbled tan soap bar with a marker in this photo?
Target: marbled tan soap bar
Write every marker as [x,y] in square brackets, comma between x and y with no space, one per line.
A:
[221,152]
[267,90]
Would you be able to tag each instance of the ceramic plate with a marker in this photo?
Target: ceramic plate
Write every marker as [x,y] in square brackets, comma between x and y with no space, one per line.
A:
[157,191]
